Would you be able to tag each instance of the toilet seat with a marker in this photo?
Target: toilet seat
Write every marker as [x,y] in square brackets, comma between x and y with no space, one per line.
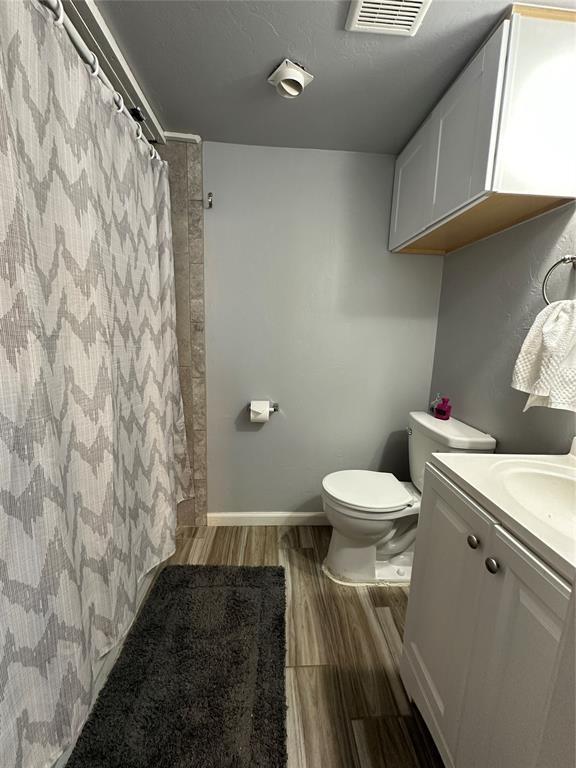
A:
[370,495]
[356,514]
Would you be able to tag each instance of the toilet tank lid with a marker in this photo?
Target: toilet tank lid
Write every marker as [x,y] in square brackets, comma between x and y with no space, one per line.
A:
[452,433]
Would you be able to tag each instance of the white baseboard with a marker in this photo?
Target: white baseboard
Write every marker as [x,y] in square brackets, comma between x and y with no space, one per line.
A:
[267,518]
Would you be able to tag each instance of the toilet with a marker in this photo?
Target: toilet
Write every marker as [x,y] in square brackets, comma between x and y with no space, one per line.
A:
[374,515]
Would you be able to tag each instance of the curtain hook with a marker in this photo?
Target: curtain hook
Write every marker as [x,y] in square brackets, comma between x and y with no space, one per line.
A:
[59,13]
[138,131]
[95,66]
[119,101]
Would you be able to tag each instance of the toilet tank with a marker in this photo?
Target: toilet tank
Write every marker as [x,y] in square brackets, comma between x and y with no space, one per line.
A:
[428,435]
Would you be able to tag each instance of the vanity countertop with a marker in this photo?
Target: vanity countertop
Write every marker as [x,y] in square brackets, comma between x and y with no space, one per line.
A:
[533,497]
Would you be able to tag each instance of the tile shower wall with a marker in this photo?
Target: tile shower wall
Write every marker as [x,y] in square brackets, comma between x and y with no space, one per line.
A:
[185,173]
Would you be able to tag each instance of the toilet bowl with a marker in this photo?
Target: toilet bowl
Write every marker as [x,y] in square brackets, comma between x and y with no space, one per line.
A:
[374,515]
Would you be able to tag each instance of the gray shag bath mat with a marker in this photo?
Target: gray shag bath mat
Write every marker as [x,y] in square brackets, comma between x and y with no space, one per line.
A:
[200,680]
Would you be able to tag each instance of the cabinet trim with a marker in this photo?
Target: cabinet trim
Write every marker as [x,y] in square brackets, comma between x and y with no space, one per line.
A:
[485,216]
[542,12]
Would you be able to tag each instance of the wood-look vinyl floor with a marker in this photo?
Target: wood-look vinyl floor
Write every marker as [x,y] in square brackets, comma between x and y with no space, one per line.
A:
[347,707]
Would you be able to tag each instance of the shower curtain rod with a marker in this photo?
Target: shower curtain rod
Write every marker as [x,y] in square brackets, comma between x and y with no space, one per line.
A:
[57,9]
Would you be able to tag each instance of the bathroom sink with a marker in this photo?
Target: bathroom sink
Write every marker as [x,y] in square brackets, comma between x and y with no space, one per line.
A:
[545,490]
[532,496]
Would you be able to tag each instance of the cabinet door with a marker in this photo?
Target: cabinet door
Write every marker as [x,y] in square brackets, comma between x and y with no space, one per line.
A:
[442,609]
[558,747]
[413,180]
[521,615]
[465,124]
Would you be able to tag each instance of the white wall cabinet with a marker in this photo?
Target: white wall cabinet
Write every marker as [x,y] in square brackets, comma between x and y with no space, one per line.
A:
[485,619]
[496,149]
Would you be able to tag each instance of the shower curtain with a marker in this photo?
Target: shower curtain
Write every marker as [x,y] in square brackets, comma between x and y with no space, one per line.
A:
[92,442]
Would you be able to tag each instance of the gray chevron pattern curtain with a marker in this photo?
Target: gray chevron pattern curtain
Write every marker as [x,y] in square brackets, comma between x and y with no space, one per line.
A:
[92,442]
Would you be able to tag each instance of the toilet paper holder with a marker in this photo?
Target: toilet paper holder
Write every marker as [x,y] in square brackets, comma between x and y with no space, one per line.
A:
[274,407]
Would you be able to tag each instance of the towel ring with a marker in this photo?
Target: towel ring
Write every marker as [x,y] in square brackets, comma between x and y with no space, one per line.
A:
[563,260]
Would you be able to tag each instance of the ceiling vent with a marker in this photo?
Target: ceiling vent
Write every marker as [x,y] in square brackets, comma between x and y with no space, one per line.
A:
[388,17]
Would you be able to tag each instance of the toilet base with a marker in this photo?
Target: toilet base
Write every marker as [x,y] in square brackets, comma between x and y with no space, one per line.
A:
[395,570]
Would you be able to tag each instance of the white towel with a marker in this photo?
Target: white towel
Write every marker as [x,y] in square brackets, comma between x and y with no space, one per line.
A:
[546,365]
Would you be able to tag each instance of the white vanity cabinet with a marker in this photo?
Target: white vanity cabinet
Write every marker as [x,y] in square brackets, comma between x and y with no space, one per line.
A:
[497,149]
[483,630]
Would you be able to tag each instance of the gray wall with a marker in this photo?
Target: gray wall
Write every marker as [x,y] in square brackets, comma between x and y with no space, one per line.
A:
[305,305]
[490,297]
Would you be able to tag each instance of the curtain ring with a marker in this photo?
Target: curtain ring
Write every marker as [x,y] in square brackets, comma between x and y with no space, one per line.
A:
[119,101]
[95,66]
[153,153]
[138,131]
[59,13]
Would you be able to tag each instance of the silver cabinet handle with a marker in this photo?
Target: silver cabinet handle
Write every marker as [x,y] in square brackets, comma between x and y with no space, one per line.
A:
[473,541]
[492,564]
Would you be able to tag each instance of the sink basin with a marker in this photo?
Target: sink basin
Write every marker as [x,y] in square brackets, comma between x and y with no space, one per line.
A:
[531,496]
[545,490]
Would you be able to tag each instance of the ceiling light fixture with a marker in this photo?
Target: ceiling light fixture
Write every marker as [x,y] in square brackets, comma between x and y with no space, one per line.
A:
[290,79]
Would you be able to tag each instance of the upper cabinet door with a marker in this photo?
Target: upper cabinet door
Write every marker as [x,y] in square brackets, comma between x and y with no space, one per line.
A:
[465,125]
[413,180]
[521,616]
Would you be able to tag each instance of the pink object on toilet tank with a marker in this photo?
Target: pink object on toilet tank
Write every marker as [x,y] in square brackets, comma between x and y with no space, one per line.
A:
[443,409]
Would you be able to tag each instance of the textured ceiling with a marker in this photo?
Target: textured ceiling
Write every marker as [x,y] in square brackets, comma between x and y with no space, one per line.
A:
[203,66]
